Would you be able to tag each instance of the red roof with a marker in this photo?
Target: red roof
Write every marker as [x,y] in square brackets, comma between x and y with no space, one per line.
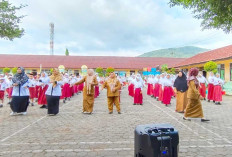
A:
[213,55]
[75,62]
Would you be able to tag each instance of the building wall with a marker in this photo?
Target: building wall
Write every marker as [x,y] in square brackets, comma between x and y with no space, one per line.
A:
[225,62]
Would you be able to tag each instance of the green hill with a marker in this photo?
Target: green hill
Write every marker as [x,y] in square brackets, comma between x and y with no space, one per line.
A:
[182,52]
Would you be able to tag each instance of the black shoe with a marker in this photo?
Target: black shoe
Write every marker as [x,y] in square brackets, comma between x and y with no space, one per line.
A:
[119,113]
[32,104]
[205,120]
[208,100]
[140,104]
[64,101]
[186,119]
[43,106]
[152,96]
[110,112]
[134,104]
[214,101]
[204,99]
[219,103]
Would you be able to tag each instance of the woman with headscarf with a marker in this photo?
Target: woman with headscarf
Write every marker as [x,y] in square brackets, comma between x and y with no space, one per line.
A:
[20,93]
[194,107]
[43,83]
[167,90]
[53,92]
[113,85]
[138,97]
[210,86]
[180,88]
[217,93]
[88,92]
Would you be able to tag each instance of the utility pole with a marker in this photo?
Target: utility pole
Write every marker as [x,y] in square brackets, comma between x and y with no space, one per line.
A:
[51,38]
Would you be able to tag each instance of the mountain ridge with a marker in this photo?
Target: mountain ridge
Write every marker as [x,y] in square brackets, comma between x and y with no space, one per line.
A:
[181,52]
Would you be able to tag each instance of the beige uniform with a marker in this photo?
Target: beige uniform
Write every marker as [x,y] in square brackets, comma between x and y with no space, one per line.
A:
[112,96]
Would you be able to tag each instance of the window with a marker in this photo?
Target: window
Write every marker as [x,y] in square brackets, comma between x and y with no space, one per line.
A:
[221,71]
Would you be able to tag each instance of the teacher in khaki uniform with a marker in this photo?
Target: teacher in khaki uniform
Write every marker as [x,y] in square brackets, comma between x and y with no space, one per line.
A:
[113,85]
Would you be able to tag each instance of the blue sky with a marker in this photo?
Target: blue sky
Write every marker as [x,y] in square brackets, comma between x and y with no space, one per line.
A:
[109,27]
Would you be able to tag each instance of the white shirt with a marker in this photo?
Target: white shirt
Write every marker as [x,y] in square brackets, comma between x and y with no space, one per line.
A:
[211,79]
[218,81]
[167,82]
[138,84]
[202,79]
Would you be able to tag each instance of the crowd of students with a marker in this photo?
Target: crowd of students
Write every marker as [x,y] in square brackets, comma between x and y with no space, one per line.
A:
[24,89]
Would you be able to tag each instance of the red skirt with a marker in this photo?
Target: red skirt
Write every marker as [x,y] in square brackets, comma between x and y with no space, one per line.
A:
[217,93]
[210,91]
[75,88]
[9,91]
[167,95]
[156,90]
[81,87]
[149,88]
[42,97]
[202,90]
[138,97]
[66,91]
[2,94]
[131,90]
[32,92]
[96,93]
[161,93]
[37,89]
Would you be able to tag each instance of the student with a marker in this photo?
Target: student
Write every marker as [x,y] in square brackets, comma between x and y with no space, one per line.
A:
[202,88]
[32,84]
[138,97]
[3,86]
[167,88]
[210,86]
[43,83]
[217,93]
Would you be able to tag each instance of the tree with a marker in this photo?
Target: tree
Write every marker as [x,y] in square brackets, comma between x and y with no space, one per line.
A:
[109,70]
[210,67]
[51,70]
[6,70]
[14,70]
[100,71]
[164,68]
[214,13]
[9,21]
[66,52]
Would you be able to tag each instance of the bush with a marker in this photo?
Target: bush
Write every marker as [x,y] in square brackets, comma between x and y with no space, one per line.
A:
[14,70]
[100,71]
[109,70]
[6,70]
[164,68]
[210,66]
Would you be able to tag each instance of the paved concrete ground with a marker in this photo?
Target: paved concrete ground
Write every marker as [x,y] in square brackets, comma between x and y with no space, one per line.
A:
[72,133]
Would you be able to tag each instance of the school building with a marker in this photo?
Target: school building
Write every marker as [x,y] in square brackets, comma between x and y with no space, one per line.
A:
[222,56]
[73,64]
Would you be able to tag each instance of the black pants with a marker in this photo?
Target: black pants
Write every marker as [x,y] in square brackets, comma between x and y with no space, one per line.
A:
[19,103]
[53,104]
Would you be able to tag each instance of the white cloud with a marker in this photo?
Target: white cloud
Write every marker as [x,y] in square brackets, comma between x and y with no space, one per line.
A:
[103,27]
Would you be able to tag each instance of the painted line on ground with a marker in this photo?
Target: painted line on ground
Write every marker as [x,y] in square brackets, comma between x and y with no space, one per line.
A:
[6,138]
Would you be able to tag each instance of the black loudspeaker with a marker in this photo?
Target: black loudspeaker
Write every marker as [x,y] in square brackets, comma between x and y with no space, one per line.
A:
[156,140]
